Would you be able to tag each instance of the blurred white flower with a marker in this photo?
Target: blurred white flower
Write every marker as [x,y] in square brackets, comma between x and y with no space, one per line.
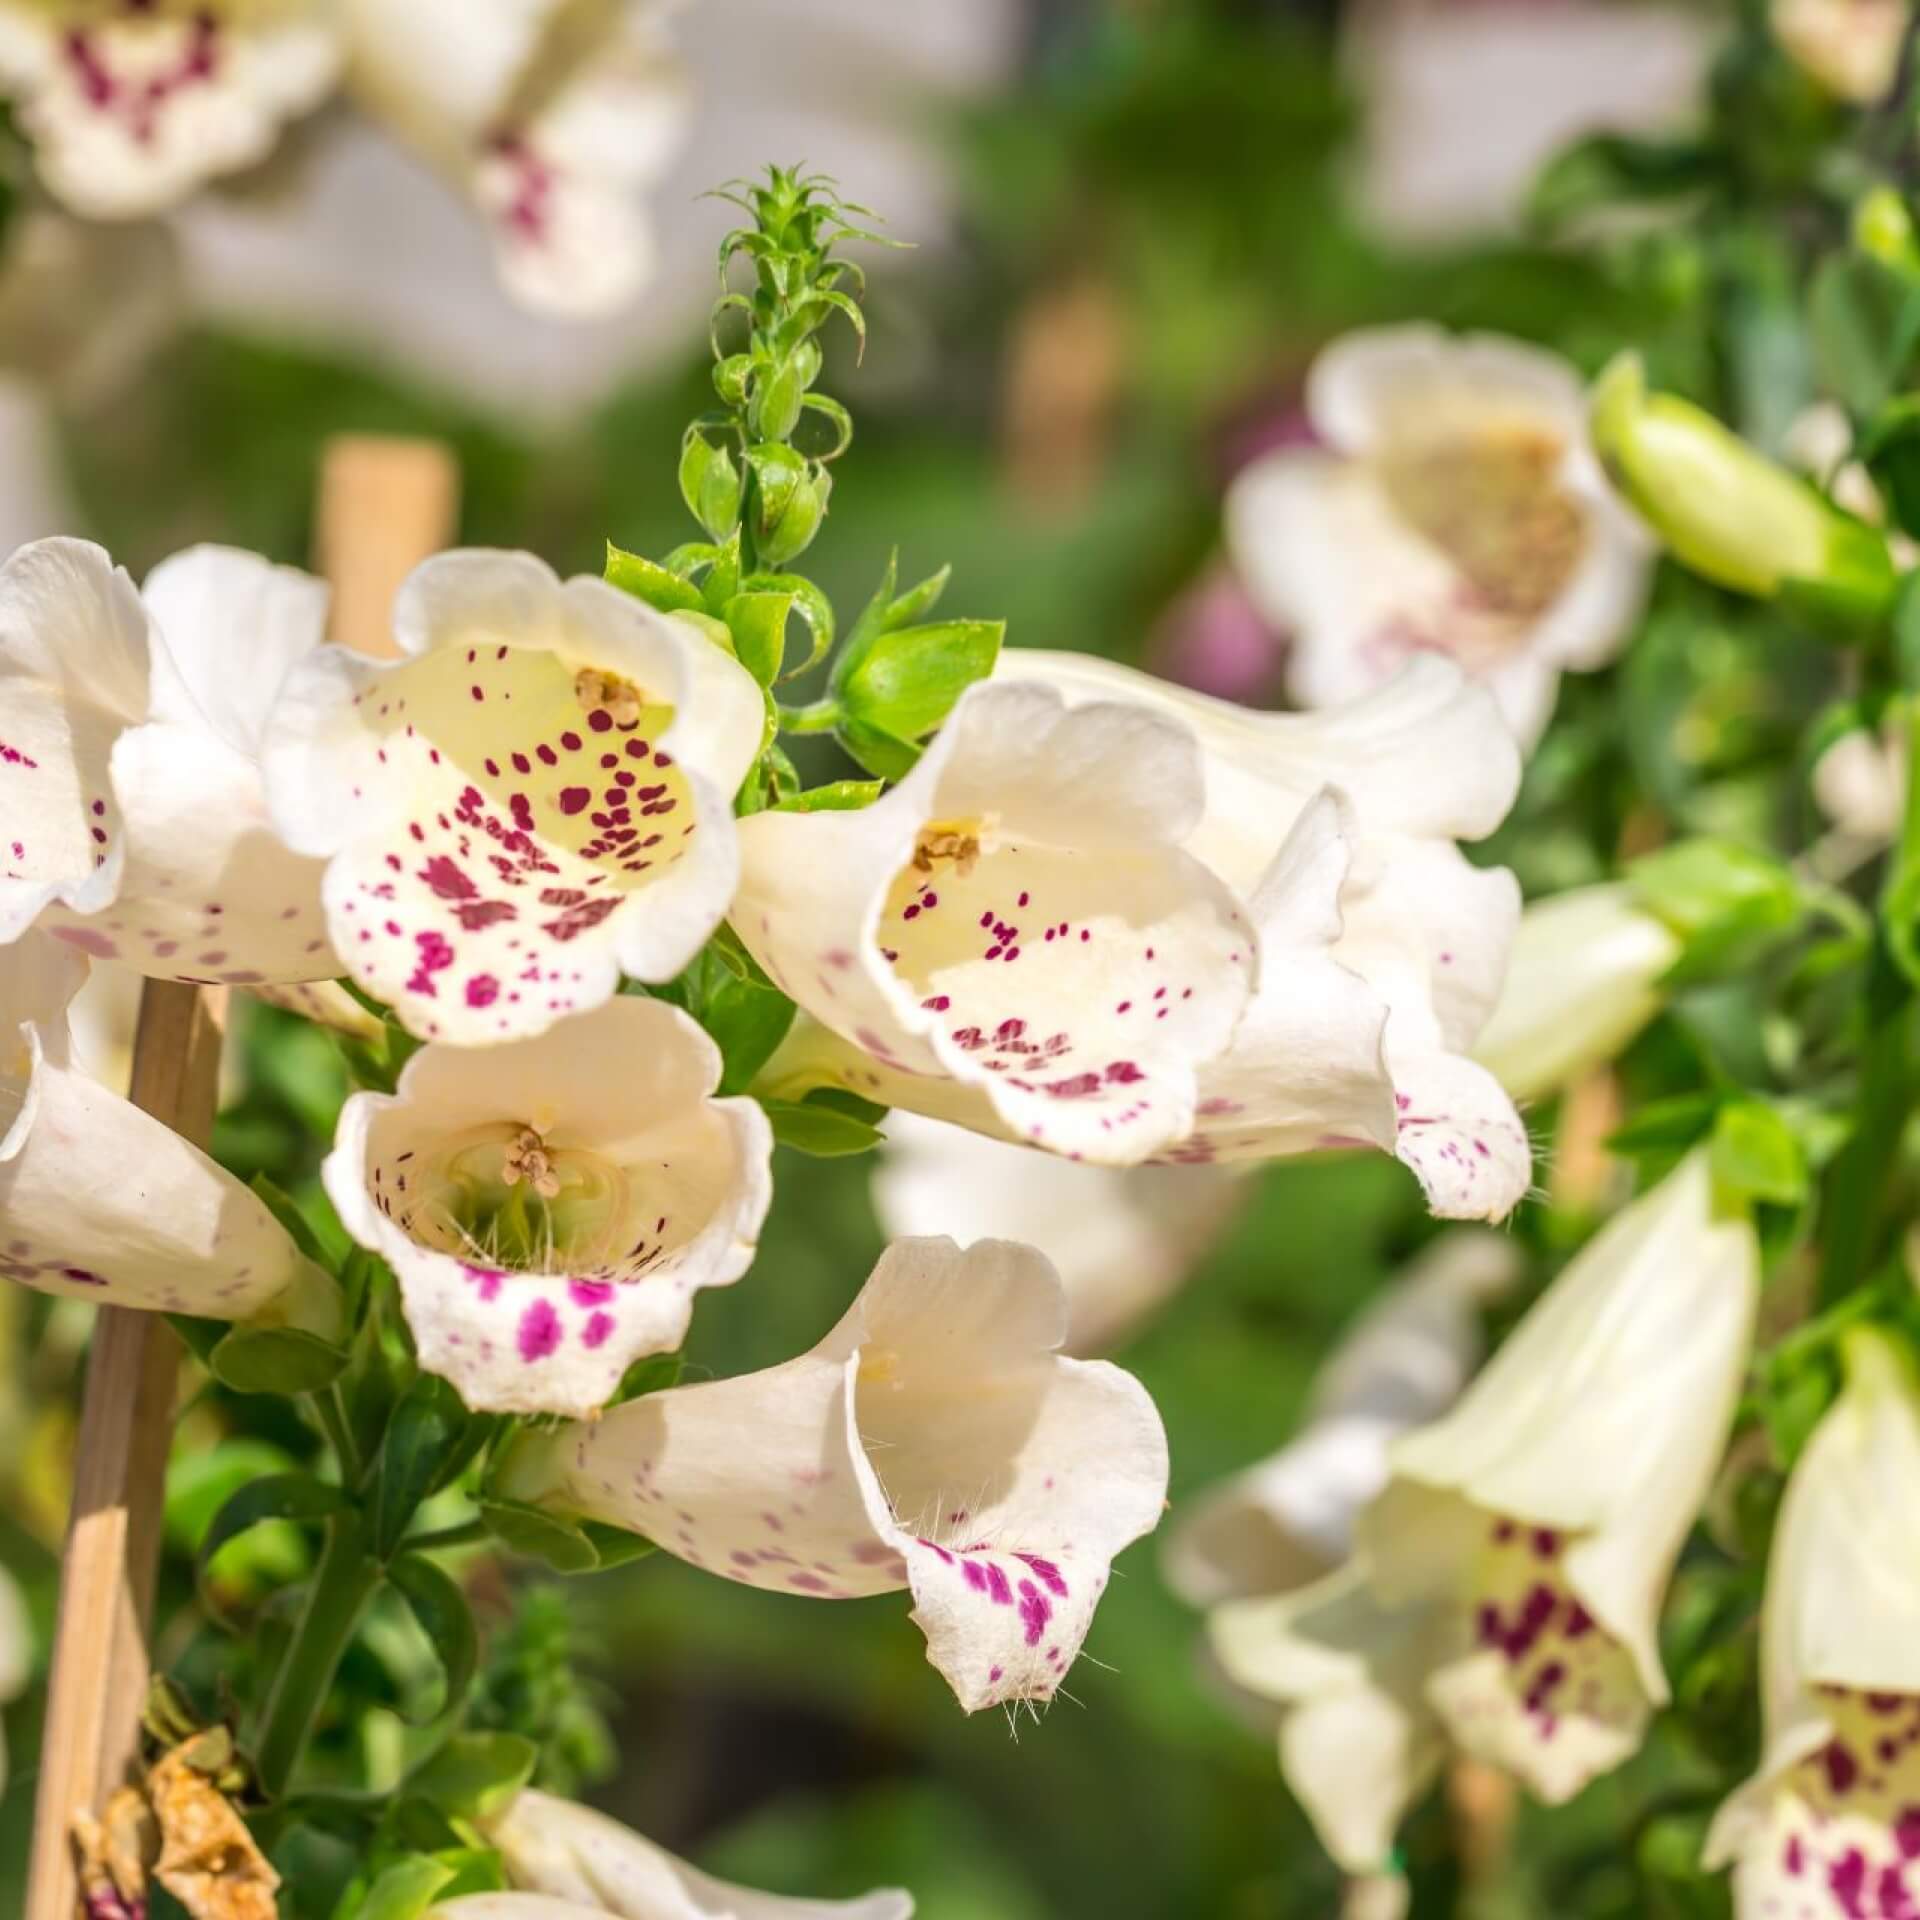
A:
[1852,47]
[1289,1519]
[535,799]
[1581,984]
[1831,1822]
[16,1653]
[934,1440]
[566,1861]
[1860,783]
[1453,506]
[131,732]
[1506,1587]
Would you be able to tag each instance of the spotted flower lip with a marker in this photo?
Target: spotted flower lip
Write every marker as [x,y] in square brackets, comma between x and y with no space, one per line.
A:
[1505,1587]
[567,1862]
[100,1202]
[1453,506]
[533,800]
[1830,1823]
[550,1208]
[1017,917]
[1289,1518]
[935,1440]
[130,748]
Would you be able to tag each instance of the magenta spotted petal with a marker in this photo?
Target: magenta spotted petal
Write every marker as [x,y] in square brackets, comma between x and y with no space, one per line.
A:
[536,800]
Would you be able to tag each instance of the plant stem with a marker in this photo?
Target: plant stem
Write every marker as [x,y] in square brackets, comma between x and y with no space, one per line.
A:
[339,1432]
[821,717]
[466,1534]
[343,1584]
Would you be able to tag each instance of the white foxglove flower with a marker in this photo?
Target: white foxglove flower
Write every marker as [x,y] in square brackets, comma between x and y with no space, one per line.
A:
[934,1440]
[566,1862]
[550,1208]
[1016,920]
[1831,1822]
[16,1653]
[1122,1239]
[550,118]
[533,800]
[1456,507]
[1852,47]
[1382,949]
[131,731]
[1860,783]
[1505,1588]
[1290,1518]
[100,1202]
[1582,981]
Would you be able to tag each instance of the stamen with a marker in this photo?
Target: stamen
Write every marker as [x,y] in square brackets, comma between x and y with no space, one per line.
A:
[960,841]
[597,691]
[525,1158]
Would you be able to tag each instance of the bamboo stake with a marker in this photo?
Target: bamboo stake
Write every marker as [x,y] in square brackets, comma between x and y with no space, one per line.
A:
[383,506]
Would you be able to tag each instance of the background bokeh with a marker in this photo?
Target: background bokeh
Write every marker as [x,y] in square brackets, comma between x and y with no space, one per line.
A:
[1132,223]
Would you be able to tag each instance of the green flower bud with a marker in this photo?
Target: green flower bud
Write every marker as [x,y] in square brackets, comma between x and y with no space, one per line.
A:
[790,501]
[1883,227]
[774,411]
[1724,510]
[710,484]
[730,378]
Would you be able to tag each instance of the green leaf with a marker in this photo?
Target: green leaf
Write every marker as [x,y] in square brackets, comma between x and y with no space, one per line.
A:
[710,483]
[880,752]
[1756,1156]
[653,1373]
[908,680]
[645,580]
[747,1022]
[819,1131]
[278,1360]
[1723,899]
[1865,321]
[809,603]
[758,623]
[404,1891]
[837,796]
[431,1431]
[614,1546]
[540,1535]
[476,1775]
[918,601]
[280,1496]
[281,1205]
[446,1619]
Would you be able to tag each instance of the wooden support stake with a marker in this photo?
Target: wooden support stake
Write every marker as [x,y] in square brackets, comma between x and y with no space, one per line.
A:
[384,505]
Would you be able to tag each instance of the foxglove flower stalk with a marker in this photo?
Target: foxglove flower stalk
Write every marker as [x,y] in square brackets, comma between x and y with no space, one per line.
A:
[1582,982]
[533,800]
[1382,949]
[567,1862]
[1290,1518]
[550,1208]
[1831,1822]
[1454,506]
[1122,1239]
[1505,1588]
[550,119]
[100,1202]
[131,731]
[934,1440]
[1017,920]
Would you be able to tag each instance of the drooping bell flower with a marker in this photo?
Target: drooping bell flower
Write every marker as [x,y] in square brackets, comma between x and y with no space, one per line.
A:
[100,1202]
[533,800]
[567,1862]
[132,727]
[1452,505]
[1505,1588]
[550,1208]
[1830,1825]
[1290,1518]
[935,1440]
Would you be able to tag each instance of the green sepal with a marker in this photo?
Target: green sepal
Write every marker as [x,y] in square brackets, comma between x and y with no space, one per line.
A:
[1755,1155]
[646,580]
[280,1496]
[1722,899]
[881,753]
[758,623]
[652,1373]
[820,1131]
[278,1360]
[283,1207]
[710,483]
[907,679]
[445,1618]
[567,1546]
[476,1775]
[837,796]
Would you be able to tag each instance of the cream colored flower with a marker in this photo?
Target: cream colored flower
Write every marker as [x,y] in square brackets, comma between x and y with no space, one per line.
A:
[536,798]
[550,1208]
[1831,1822]
[1454,506]
[934,1440]
[1505,1589]
[1852,47]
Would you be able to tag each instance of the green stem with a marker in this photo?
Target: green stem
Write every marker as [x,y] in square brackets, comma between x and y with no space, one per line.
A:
[343,1584]
[821,717]
[339,1432]
[468,1533]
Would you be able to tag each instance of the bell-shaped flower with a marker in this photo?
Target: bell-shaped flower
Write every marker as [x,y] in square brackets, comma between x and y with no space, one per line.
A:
[1852,47]
[1122,1239]
[1290,1518]
[1382,949]
[567,1862]
[1582,981]
[535,798]
[1453,506]
[550,1208]
[550,119]
[1017,919]
[1505,1588]
[935,1440]
[1830,1825]
[100,1202]
[131,731]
